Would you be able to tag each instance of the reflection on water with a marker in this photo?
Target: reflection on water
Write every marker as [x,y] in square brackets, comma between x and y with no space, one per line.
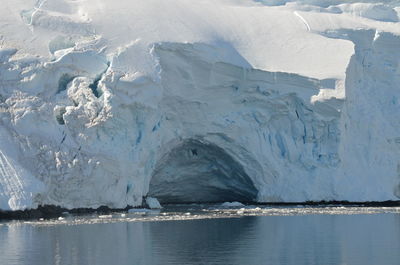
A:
[299,239]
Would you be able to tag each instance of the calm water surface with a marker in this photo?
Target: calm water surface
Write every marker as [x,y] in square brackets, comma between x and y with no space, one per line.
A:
[239,236]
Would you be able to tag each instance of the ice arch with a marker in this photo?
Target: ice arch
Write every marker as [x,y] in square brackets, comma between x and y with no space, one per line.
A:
[199,171]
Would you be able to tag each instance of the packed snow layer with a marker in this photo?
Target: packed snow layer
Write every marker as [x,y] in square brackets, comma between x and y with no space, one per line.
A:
[271,101]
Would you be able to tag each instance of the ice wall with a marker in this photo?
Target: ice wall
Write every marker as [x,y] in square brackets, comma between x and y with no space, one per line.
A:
[370,129]
[99,120]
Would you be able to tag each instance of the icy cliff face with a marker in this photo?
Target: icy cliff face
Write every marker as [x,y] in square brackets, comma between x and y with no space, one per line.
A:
[103,104]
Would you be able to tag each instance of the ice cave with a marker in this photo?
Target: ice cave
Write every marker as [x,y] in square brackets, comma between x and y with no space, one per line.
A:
[199,171]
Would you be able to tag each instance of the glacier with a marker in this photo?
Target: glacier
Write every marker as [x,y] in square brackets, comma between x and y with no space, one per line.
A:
[107,104]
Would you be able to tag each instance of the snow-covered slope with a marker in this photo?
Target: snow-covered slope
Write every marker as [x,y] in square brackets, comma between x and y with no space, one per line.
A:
[104,102]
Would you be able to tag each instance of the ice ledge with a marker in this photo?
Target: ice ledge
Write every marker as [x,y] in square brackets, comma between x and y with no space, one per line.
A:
[86,149]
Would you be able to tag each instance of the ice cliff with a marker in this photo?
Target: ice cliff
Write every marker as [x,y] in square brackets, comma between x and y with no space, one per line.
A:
[106,102]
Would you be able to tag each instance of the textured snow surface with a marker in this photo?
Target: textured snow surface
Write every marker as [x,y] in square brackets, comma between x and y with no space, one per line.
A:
[105,102]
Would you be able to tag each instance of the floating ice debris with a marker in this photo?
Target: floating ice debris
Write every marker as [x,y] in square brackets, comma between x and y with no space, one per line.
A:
[105,216]
[153,203]
[232,204]
[139,211]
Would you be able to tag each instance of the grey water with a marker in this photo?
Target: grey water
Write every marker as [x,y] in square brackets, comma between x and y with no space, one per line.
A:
[299,238]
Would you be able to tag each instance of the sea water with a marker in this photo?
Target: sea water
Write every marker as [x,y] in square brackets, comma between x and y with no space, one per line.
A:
[208,234]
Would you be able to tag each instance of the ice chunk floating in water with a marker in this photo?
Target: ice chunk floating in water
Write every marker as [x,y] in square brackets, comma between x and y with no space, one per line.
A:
[198,171]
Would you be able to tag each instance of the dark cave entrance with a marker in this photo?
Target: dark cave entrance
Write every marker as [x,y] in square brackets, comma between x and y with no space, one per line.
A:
[197,171]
